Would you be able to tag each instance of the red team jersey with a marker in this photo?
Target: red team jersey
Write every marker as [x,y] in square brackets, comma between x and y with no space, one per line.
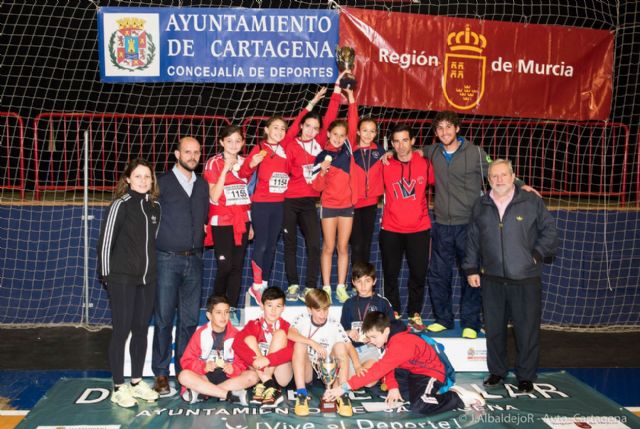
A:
[405,195]
[337,186]
[198,350]
[261,331]
[407,351]
[367,174]
[234,204]
[272,172]
[301,154]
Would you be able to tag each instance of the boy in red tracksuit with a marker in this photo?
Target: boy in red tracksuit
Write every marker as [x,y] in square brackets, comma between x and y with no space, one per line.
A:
[208,364]
[367,177]
[332,177]
[263,346]
[407,351]
[405,224]
[268,160]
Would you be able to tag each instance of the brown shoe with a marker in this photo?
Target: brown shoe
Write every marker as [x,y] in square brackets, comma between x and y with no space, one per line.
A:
[162,385]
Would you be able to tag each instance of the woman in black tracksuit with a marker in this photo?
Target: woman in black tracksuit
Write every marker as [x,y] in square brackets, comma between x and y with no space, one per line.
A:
[127,266]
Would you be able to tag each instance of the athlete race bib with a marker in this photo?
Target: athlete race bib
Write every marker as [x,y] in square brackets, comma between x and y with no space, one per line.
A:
[307,172]
[264,348]
[236,195]
[278,183]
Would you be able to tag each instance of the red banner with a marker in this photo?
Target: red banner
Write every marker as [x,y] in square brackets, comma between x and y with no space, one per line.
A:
[480,67]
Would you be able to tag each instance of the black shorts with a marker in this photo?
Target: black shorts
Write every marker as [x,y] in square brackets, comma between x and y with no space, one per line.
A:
[326,212]
[217,376]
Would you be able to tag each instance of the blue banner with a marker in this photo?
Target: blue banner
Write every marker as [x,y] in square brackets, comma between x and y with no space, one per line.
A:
[217,45]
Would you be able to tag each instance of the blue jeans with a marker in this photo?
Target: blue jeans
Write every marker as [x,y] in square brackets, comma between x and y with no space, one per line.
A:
[179,287]
[448,246]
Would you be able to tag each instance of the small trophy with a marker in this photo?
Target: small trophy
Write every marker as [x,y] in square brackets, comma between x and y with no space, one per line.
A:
[346,58]
[327,370]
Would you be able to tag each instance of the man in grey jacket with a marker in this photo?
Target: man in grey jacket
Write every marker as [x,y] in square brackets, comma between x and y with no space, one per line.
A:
[509,236]
[460,168]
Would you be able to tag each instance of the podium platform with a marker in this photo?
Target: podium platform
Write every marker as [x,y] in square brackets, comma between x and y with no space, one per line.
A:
[465,355]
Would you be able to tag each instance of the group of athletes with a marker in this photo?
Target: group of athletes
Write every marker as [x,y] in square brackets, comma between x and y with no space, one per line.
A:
[275,189]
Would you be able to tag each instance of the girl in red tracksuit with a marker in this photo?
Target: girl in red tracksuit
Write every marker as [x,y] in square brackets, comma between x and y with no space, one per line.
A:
[267,202]
[332,177]
[300,198]
[367,176]
[229,214]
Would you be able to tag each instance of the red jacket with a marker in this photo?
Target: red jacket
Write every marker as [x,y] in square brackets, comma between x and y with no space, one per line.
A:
[254,328]
[301,154]
[405,195]
[272,172]
[367,174]
[337,186]
[197,352]
[224,212]
[407,351]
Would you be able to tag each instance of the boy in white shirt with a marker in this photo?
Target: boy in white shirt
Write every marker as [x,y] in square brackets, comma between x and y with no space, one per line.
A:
[315,335]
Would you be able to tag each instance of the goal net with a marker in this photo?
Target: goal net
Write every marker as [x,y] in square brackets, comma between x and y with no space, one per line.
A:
[52,93]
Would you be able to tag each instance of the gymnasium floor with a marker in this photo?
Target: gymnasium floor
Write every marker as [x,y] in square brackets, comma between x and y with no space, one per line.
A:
[33,360]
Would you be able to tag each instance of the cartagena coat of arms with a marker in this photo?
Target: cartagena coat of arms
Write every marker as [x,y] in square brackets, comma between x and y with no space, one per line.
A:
[131,47]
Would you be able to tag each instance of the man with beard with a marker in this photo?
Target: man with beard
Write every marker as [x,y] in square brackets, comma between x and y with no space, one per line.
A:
[184,200]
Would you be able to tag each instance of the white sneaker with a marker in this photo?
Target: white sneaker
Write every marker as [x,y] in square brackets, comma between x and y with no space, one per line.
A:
[342,294]
[304,293]
[292,293]
[123,397]
[143,391]
[240,397]
[327,289]
[468,397]
[190,396]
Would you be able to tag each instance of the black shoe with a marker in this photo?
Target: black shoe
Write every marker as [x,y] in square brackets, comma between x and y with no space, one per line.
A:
[525,386]
[492,380]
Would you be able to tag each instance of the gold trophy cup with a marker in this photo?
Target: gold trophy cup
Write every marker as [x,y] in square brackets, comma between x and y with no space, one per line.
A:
[346,58]
[327,371]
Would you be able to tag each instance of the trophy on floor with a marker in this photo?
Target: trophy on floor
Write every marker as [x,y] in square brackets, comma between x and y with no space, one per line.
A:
[327,371]
[346,58]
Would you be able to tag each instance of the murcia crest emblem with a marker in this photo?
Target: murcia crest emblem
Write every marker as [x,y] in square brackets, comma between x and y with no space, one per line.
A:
[464,69]
[131,47]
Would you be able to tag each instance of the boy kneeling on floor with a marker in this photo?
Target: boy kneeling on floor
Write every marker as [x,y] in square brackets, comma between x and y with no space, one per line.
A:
[404,350]
[208,366]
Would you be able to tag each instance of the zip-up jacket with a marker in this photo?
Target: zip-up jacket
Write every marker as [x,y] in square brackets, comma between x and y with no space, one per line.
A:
[196,354]
[272,176]
[337,186]
[234,206]
[254,328]
[356,308]
[403,350]
[515,247]
[367,174]
[458,182]
[127,243]
[301,154]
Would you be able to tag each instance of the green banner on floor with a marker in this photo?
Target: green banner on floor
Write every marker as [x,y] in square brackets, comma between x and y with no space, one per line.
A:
[558,401]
